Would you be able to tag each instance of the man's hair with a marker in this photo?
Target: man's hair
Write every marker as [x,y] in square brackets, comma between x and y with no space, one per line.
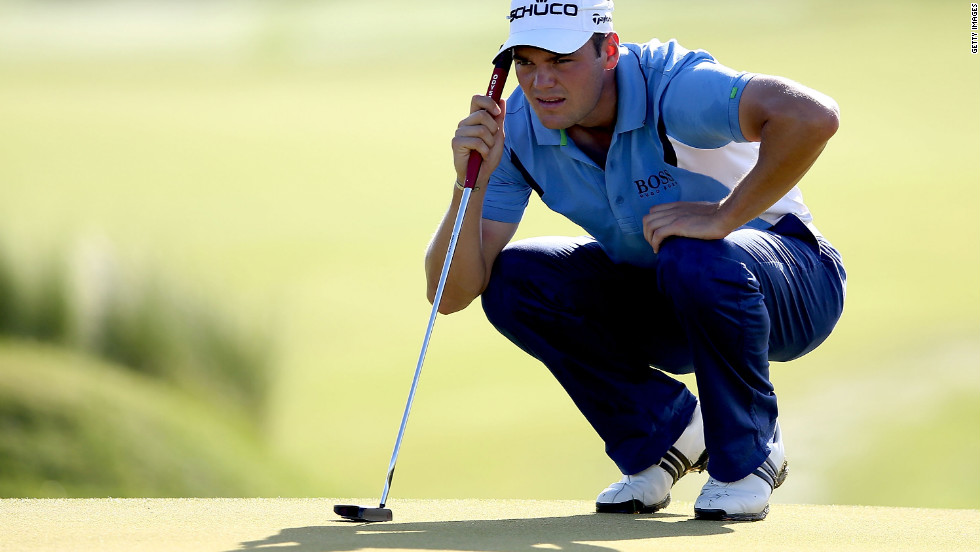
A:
[597,41]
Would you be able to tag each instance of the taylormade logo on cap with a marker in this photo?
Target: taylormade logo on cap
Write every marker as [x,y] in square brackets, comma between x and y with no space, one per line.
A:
[560,27]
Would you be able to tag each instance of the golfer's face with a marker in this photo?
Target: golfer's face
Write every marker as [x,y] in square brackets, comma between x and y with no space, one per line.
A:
[563,89]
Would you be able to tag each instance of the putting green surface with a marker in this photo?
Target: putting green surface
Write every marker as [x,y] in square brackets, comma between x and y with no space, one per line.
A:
[302,525]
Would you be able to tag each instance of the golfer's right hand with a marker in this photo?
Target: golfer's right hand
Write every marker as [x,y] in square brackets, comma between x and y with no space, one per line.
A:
[483,132]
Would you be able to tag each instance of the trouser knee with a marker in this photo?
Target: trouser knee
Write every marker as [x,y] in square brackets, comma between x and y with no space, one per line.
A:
[699,275]
[500,298]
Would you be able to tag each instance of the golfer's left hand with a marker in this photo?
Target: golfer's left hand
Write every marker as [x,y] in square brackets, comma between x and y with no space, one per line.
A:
[683,218]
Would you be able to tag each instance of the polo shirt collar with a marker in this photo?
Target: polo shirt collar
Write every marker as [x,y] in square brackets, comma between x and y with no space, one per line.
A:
[544,135]
[631,110]
[631,89]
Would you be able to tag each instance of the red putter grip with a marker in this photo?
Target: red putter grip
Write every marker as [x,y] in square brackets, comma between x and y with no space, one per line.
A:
[501,66]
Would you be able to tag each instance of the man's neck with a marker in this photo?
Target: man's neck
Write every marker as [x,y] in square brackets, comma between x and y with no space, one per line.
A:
[594,134]
[593,141]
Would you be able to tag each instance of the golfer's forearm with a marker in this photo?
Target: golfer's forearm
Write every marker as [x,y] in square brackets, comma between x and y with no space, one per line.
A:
[771,179]
[793,125]
[469,274]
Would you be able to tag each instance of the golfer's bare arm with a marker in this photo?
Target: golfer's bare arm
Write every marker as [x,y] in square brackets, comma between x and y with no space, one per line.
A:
[480,240]
[793,124]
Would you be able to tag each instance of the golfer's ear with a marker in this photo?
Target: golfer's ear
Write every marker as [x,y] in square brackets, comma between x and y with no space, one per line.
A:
[611,49]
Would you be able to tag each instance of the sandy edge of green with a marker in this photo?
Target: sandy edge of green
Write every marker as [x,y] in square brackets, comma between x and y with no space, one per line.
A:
[309,524]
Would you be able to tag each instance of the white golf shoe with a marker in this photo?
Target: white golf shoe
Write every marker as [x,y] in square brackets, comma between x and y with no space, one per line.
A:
[748,498]
[649,491]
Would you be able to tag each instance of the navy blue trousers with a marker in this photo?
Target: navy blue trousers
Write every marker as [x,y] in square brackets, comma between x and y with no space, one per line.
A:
[613,333]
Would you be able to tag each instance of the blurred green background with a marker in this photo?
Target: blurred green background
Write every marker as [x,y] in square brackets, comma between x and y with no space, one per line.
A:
[213,215]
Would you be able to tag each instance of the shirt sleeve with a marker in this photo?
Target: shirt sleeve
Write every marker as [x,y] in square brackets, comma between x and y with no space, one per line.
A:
[507,193]
[700,105]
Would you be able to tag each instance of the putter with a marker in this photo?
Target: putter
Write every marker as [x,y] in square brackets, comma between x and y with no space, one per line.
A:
[365,513]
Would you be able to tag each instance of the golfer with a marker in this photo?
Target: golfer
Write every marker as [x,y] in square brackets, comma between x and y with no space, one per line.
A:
[701,255]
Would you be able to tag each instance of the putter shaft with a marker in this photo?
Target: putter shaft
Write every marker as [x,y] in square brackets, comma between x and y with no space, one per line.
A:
[494,90]
[463,202]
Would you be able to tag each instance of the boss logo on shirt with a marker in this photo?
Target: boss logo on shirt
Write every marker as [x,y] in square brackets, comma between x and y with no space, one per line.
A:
[544,8]
[655,183]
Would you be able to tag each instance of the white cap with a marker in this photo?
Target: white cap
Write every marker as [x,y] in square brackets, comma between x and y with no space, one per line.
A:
[560,27]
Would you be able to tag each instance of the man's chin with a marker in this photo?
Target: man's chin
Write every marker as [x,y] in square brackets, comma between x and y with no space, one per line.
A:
[551,121]
[553,124]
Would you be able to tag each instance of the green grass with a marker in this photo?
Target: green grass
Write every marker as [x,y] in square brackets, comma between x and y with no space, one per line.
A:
[87,300]
[294,176]
[928,429]
[76,426]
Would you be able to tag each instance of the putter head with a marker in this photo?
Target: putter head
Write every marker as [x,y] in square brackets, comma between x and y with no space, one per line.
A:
[362,513]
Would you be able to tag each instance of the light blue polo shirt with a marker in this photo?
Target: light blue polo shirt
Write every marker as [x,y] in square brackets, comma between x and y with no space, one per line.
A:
[663,89]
